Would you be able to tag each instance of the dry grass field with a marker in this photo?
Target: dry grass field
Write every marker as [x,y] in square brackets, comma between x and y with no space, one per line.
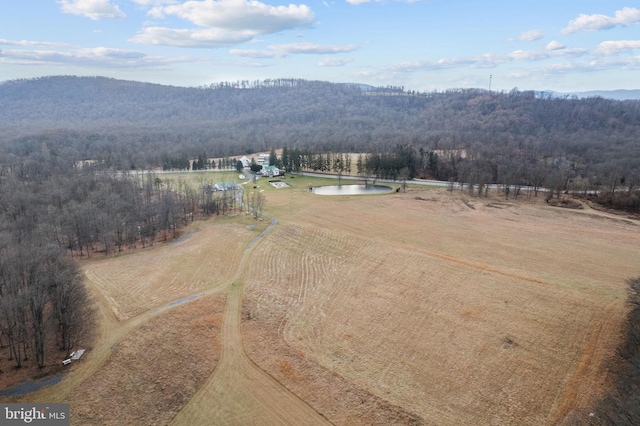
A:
[203,259]
[458,311]
[422,307]
[153,372]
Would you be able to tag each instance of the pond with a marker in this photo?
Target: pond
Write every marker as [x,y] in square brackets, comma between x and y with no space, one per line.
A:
[351,189]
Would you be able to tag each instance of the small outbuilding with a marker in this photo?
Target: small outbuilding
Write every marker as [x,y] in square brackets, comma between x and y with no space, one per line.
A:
[224,186]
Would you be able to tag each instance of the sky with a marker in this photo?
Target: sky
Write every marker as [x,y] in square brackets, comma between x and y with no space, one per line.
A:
[425,45]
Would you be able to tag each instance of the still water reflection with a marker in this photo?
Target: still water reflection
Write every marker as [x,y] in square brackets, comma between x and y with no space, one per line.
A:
[351,189]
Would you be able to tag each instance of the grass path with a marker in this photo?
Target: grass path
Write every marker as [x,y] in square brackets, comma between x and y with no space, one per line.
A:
[240,393]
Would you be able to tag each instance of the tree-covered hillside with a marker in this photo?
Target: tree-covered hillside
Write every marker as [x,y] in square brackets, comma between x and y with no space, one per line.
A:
[126,124]
[226,119]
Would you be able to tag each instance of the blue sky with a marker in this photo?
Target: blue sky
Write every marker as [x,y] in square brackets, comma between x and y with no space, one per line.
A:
[562,45]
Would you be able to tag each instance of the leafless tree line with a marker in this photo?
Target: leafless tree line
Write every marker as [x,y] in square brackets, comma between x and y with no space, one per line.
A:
[51,215]
[615,183]
[42,297]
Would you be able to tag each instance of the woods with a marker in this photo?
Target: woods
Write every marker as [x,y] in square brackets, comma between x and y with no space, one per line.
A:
[51,216]
[512,138]
[136,125]
[42,298]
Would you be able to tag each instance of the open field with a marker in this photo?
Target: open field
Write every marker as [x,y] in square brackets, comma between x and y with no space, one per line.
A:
[204,259]
[422,307]
[197,178]
[154,371]
[481,311]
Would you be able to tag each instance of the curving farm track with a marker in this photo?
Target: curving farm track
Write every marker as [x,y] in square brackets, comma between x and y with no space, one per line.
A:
[240,393]
[454,311]
[236,393]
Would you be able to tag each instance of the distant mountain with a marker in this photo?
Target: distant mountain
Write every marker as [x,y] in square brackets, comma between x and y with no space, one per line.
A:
[619,95]
[126,122]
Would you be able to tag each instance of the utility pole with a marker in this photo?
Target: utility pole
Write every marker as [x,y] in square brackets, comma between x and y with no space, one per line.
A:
[490,77]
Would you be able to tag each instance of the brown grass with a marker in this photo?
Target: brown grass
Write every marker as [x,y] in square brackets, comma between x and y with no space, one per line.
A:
[331,394]
[145,279]
[155,370]
[425,307]
[413,302]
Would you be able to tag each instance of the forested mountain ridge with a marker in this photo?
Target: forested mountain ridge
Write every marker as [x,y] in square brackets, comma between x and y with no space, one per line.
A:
[128,124]
[82,102]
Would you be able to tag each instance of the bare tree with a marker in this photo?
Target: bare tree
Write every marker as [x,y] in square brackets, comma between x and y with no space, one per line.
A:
[403,176]
[72,307]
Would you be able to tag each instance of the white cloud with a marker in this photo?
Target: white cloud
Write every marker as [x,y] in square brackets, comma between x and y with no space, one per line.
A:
[487,60]
[358,2]
[256,54]
[368,73]
[316,49]
[92,9]
[555,45]
[154,2]
[526,55]
[531,35]
[410,66]
[576,51]
[98,56]
[109,53]
[571,67]
[608,48]
[209,37]
[624,17]
[156,12]
[574,68]
[243,15]
[5,42]
[334,62]
[222,22]
[283,50]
